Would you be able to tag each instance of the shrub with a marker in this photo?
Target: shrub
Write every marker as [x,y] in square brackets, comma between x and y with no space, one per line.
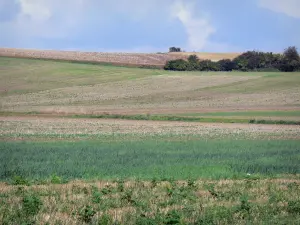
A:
[178,64]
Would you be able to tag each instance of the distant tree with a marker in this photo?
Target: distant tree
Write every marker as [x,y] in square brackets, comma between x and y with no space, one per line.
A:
[291,54]
[174,49]
[208,65]
[226,65]
[193,59]
[290,61]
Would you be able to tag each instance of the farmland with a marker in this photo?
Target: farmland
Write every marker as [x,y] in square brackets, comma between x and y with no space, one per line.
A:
[96,144]
[129,59]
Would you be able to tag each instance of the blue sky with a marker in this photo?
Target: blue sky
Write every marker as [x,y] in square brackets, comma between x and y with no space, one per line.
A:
[150,25]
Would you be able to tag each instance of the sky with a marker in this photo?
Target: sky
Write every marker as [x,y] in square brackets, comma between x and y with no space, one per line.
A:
[150,25]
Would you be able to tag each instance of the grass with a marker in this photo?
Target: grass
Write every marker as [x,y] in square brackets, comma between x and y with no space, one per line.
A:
[292,113]
[187,119]
[148,158]
[21,76]
[254,201]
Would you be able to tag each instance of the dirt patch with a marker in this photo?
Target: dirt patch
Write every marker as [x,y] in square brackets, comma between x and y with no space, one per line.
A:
[125,59]
[75,128]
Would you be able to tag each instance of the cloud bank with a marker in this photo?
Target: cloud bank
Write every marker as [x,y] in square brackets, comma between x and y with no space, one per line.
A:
[289,7]
[38,20]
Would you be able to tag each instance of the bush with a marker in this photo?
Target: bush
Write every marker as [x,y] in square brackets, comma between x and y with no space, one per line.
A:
[178,65]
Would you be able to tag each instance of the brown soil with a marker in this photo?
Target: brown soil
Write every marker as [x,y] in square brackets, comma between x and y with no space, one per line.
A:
[125,59]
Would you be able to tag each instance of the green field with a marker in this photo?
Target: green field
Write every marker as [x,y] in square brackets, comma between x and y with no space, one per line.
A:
[100,144]
[147,159]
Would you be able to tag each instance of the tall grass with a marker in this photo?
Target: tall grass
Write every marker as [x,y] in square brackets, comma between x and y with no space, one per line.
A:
[146,159]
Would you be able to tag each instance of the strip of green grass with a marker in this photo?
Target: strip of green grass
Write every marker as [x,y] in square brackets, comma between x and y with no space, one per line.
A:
[149,158]
[165,118]
[293,113]
[188,119]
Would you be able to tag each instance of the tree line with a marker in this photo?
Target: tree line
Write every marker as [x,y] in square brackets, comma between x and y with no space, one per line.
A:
[289,61]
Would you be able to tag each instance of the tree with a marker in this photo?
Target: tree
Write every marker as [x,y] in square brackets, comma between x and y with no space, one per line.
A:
[208,65]
[193,59]
[291,54]
[290,61]
[174,49]
[226,65]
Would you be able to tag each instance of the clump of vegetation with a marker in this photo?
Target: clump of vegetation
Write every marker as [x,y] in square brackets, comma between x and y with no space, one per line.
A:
[86,214]
[31,204]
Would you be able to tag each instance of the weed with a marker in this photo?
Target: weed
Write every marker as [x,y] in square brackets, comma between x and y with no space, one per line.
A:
[86,214]
[31,204]
[172,217]
[105,219]
[96,195]
[56,179]
[19,180]
[120,185]
[294,207]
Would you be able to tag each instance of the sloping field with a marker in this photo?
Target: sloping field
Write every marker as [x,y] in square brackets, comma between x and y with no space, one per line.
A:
[60,87]
[137,59]
[208,55]
[130,59]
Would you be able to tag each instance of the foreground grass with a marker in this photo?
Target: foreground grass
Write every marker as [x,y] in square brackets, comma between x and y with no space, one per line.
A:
[148,158]
[248,201]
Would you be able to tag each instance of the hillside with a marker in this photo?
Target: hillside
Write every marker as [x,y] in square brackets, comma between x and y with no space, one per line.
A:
[59,87]
[207,55]
[129,59]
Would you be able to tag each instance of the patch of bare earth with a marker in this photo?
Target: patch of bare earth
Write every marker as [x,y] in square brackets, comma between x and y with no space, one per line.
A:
[40,126]
[210,56]
[147,93]
[113,58]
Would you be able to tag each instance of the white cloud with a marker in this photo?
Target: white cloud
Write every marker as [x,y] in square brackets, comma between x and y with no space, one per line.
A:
[197,28]
[37,10]
[44,19]
[288,7]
